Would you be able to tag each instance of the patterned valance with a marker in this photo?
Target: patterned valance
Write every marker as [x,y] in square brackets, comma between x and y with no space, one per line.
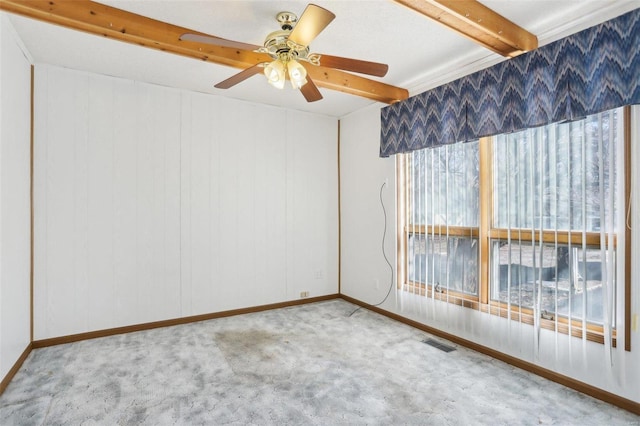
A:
[588,72]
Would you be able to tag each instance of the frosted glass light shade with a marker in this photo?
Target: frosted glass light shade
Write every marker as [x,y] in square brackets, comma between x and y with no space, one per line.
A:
[275,74]
[297,74]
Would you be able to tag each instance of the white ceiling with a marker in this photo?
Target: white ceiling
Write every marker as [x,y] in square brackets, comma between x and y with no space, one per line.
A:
[421,53]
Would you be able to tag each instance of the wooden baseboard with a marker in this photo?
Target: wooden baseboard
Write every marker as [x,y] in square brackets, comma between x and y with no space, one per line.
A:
[569,382]
[176,321]
[12,372]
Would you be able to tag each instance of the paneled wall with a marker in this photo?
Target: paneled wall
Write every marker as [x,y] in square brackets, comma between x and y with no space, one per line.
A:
[154,203]
[15,119]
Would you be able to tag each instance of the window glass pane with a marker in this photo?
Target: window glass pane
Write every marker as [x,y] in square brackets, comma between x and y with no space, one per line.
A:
[556,176]
[445,185]
[565,278]
[446,262]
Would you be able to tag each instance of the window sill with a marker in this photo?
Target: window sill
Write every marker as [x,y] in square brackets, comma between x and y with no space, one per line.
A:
[593,333]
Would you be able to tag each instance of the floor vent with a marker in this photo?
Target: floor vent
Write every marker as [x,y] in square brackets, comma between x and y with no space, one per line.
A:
[436,344]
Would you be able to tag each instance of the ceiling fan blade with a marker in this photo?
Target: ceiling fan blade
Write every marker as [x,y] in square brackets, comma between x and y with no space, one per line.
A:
[310,91]
[314,19]
[239,77]
[354,65]
[217,41]
[342,81]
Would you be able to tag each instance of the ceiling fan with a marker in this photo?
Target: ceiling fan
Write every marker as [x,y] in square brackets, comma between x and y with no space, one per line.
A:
[288,47]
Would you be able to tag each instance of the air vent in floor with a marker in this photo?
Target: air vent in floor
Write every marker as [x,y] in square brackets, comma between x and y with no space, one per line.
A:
[436,344]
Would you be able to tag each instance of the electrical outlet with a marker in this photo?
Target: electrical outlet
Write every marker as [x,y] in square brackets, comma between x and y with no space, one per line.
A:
[634,323]
[304,294]
[318,274]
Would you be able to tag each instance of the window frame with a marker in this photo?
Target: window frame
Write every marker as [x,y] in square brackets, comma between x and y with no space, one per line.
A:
[403,188]
[486,234]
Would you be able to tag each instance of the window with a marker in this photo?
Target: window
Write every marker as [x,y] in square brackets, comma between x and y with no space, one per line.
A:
[442,217]
[522,225]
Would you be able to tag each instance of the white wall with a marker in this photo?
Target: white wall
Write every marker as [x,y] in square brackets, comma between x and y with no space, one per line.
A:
[154,203]
[361,173]
[365,273]
[15,119]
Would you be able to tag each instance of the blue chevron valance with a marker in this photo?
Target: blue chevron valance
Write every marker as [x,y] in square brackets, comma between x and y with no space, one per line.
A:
[588,72]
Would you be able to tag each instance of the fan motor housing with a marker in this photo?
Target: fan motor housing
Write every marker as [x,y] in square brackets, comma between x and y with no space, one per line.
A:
[277,42]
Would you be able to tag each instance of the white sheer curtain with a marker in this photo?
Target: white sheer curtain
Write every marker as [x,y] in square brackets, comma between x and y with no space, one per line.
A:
[556,193]
[553,233]
[441,221]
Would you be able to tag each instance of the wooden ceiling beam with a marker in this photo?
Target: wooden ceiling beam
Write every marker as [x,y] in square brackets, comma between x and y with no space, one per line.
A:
[106,21]
[474,20]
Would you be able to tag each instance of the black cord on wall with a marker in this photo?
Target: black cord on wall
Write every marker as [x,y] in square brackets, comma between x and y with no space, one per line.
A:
[384,253]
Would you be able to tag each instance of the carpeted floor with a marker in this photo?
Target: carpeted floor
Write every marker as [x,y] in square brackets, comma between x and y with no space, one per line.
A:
[310,364]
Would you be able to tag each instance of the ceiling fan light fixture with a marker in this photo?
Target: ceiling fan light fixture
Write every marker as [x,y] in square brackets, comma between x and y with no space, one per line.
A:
[297,74]
[275,73]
